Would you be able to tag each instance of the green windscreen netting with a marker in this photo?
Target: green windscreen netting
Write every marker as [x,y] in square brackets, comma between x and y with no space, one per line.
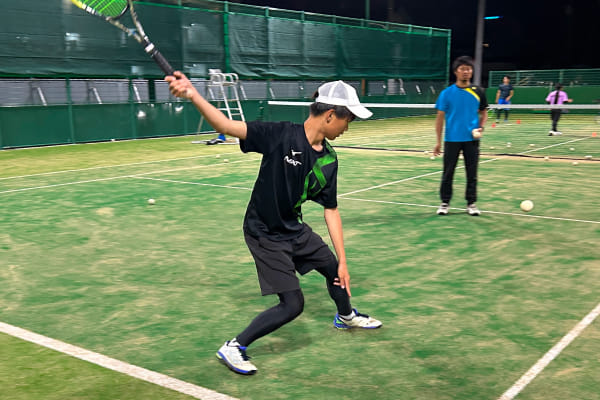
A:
[55,38]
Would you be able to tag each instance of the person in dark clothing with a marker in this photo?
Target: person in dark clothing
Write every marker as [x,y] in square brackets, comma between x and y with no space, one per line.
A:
[503,95]
[298,164]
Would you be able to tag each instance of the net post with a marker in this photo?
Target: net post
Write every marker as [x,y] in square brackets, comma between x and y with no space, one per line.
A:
[70,110]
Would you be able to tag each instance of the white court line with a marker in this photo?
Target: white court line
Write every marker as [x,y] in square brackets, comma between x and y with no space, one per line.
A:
[387,141]
[192,183]
[115,177]
[134,371]
[440,171]
[543,362]
[381,201]
[483,211]
[389,183]
[552,145]
[108,166]
[407,179]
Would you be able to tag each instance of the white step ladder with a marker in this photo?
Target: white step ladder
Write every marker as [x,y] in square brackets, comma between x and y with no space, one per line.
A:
[223,88]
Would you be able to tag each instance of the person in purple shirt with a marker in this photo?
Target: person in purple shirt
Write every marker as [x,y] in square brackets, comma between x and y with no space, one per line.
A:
[557,97]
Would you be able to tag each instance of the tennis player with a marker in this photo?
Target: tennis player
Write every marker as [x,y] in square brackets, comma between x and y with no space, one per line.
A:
[558,96]
[463,108]
[298,164]
[503,95]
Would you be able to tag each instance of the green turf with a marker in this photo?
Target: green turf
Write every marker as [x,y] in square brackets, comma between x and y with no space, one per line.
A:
[468,304]
[28,371]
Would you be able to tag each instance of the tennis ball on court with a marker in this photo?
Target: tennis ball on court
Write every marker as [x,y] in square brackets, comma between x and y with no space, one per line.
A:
[572,148]
[218,155]
[575,163]
[426,152]
[476,133]
[547,158]
[492,147]
[225,160]
[527,205]
[588,157]
[532,145]
[151,201]
[432,158]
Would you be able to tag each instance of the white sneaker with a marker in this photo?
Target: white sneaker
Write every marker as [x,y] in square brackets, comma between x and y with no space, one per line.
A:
[557,133]
[234,356]
[358,321]
[443,209]
[473,210]
[551,133]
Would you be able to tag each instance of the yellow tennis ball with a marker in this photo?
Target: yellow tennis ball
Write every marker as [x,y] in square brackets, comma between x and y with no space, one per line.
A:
[151,201]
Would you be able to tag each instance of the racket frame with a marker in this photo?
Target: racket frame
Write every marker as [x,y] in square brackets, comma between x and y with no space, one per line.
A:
[138,33]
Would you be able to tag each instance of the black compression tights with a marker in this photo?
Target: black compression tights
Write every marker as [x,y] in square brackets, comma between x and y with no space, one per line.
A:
[290,306]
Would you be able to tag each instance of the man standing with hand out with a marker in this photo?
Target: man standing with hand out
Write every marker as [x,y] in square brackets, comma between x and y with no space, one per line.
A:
[462,106]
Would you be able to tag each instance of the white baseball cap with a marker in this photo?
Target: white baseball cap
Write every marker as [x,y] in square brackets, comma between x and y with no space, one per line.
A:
[339,93]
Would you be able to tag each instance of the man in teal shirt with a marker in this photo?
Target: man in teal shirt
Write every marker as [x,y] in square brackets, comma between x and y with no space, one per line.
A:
[462,106]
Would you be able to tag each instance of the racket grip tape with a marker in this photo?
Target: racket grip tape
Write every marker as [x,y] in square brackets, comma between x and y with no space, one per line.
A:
[162,62]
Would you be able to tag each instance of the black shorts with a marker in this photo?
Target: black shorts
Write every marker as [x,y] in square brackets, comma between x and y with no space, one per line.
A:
[278,261]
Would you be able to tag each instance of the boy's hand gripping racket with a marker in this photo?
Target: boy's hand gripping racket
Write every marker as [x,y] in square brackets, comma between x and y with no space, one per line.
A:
[111,11]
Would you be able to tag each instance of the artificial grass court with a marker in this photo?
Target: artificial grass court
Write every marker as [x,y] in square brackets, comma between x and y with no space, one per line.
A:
[469,304]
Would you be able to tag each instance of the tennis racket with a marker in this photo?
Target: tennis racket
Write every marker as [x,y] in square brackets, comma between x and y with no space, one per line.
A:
[111,11]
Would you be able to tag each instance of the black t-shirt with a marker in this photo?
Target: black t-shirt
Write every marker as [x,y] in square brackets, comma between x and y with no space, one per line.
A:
[505,90]
[291,172]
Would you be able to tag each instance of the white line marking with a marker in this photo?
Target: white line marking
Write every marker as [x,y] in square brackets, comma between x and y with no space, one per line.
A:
[432,105]
[406,179]
[539,366]
[553,145]
[109,166]
[389,183]
[134,371]
[483,211]
[118,177]
[192,183]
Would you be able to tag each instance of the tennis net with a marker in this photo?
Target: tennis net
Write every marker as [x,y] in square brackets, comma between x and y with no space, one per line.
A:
[523,131]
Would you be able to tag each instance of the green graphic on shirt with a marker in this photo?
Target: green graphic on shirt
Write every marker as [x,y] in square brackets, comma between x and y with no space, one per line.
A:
[317,177]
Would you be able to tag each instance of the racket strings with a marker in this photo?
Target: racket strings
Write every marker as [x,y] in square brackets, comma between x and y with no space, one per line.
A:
[107,8]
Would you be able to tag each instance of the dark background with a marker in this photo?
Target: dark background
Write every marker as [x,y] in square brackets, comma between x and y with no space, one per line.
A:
[531,34]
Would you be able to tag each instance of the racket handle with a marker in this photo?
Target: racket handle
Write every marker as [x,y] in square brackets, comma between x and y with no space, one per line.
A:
[162,62]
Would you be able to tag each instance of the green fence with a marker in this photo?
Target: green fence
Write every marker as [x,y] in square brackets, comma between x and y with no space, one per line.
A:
[537,95]
[40,112]
[548,78]
[55,38]
[64,73]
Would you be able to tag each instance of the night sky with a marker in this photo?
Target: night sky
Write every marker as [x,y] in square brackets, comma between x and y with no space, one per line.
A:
[532,34]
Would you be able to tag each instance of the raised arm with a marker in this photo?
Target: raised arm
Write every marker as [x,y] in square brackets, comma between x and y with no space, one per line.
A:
[180,86]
